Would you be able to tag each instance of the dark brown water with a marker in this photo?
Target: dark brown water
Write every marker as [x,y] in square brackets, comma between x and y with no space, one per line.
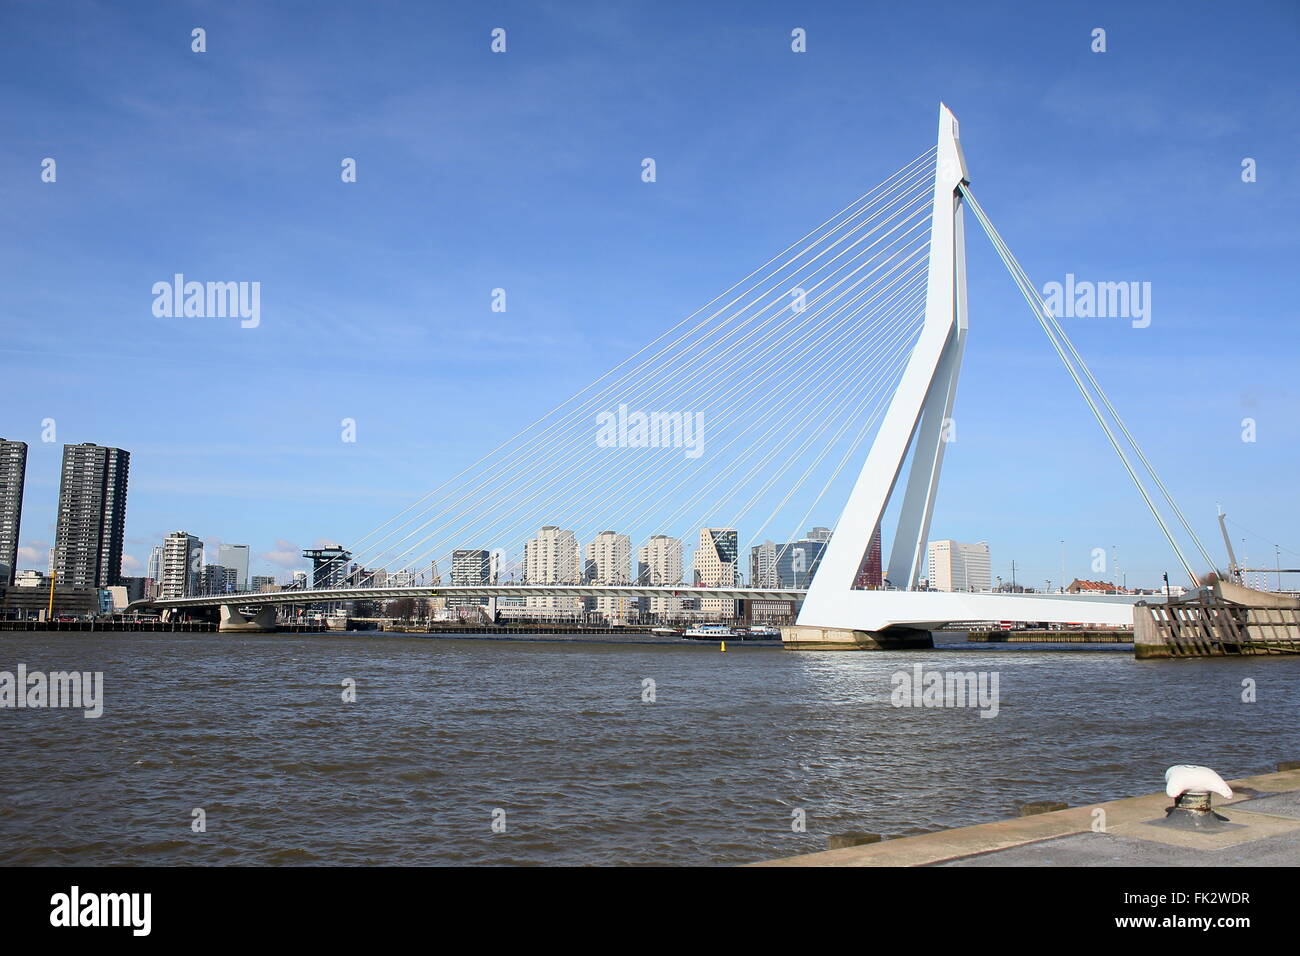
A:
[253,730]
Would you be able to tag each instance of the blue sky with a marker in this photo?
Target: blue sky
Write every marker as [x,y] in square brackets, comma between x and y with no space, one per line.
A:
[522,171]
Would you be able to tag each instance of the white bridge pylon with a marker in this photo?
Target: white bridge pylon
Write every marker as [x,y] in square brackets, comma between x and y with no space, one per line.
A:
[919,416]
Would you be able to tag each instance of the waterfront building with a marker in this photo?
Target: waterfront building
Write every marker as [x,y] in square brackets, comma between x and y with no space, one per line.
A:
[153,570]
[182,565]
[13,471]
[797,562]
[235,556]
[329,566]
[299,580]
[218,579]
[822,535]
[1078,586]
[959,567]
[92,516]
[762,565]
[470,567]
[265,582]
[872,573]
[609,557]
[715,566]
[553,557]
[659,563]
[31,579]
[789,565]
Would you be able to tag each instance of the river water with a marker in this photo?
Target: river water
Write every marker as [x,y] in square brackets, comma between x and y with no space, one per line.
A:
[556,742]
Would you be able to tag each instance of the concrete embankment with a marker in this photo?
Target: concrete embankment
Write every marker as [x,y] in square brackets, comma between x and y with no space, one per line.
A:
[1051,637]
[1262,829]
[187,627]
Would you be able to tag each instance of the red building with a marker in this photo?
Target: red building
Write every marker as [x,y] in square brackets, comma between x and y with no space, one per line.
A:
[871,574]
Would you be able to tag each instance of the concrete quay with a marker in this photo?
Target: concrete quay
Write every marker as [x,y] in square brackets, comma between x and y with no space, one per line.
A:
[1263,829]
[804,638]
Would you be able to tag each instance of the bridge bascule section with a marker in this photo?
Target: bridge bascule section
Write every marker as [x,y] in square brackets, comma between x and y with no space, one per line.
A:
[880,316]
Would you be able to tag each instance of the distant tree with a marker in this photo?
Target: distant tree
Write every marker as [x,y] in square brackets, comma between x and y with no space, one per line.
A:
[402,608]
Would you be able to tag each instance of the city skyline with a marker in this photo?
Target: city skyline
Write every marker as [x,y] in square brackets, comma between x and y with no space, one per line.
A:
[229,471]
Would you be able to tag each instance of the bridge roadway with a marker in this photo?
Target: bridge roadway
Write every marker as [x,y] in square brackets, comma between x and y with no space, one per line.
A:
[888,608]
[332,595]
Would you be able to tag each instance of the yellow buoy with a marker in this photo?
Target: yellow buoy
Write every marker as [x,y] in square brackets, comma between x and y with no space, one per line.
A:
[723,647]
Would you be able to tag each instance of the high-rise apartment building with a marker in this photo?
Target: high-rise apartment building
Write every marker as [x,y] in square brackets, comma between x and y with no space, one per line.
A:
[153,570]
[659,564]
[182,565]
[92,516]
[219,579]
[959,567]
[715,566]
[329,566]
[13,469]
[610,557]
[871,575]
[762,565]
[553,557]
[470,567]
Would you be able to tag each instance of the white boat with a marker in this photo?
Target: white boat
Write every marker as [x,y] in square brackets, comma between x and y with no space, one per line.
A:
[764,632]
[709,632]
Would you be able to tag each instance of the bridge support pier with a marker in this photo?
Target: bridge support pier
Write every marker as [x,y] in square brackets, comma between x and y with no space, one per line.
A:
[235,621]
[807,638]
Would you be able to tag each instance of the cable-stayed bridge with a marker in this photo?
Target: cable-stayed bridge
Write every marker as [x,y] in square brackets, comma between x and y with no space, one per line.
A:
[747,419]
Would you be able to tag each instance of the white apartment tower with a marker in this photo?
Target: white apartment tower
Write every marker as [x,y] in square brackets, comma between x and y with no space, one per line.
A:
[959,567]
[659,563]
[610,554]
[553,557]
[182,565]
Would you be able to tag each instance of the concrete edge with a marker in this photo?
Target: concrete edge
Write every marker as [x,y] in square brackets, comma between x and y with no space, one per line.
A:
[927,848]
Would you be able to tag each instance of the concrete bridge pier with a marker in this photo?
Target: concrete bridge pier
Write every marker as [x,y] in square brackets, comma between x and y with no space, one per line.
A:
[807,638]
[235,621]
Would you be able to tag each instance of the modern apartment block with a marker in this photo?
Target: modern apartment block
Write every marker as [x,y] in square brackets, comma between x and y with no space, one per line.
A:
[182,565]
[610,556]
[92,516]
[872,573]
[329,566]
[219,579]
[553,557]
[659,563]
[959,567]
[13,469]
[470,567]
[715,566]
[153,570]
[762,565]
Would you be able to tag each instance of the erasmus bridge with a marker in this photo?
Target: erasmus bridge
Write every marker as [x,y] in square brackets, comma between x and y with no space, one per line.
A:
[849,339]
